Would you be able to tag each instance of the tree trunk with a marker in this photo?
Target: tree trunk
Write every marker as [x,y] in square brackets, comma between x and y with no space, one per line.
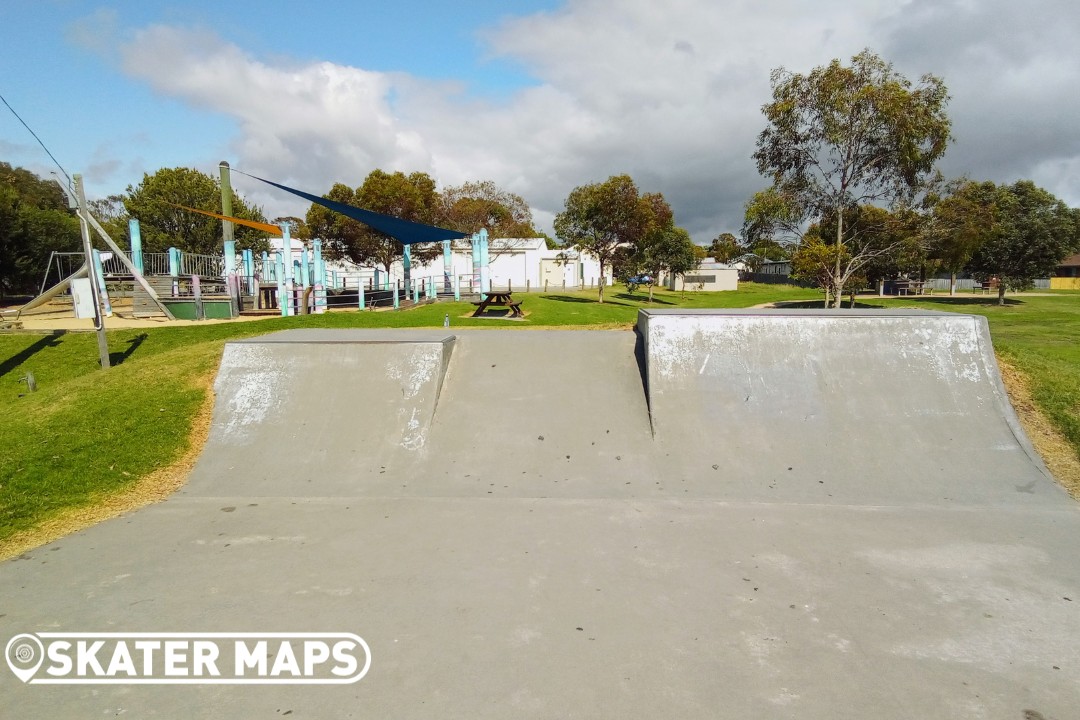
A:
[650,292]
[838,293]
[601,283]
[1001,293]
[952,283]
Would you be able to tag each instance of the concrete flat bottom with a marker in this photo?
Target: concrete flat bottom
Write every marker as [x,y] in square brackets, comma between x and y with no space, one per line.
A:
[472,608]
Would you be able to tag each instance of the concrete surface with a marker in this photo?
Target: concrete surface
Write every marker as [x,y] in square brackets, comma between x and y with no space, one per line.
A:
[492,512]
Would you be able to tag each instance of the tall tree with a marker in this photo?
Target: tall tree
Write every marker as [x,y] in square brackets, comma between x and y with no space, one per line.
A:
[772,227]
[959,222]
[408,197]
[845,136]
[1032,231]
[34,221]
[298,228]
[600,217]
[153,203]
[725,248]
[341,235]
[473,206]
[113,216]
[668,251]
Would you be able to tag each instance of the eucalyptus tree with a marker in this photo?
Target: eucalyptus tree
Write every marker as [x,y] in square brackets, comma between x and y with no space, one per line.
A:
[841,137]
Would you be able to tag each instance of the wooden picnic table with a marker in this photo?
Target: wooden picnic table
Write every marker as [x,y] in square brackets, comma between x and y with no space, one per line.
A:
[908,287]
[498,298]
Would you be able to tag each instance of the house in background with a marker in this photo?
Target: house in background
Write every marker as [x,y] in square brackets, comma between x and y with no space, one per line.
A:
[1067,274]
[709,276]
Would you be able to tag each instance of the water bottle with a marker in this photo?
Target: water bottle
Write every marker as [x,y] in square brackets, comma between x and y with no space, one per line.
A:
[446,320]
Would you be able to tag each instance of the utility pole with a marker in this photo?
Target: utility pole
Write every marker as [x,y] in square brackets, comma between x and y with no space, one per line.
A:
[84,227]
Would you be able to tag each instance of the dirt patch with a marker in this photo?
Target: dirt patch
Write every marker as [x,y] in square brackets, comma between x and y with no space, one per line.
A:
[152,488]
[1055,450]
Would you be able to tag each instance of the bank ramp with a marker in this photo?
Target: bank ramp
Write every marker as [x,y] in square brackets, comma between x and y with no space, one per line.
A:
[864,406]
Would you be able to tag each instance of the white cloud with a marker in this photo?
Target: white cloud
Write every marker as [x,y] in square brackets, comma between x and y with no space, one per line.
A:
[670,93]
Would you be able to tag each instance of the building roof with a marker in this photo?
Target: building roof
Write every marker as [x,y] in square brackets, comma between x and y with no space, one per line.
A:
[1071,261]
[518,243]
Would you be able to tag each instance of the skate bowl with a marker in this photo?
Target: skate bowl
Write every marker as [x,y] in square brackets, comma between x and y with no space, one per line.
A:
[722,514]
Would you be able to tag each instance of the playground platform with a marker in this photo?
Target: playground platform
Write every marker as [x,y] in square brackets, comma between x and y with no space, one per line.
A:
[725,514]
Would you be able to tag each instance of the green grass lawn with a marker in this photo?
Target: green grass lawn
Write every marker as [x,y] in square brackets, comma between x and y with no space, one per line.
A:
[87,435]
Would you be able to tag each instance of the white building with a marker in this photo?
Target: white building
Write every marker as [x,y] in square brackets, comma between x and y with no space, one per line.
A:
[710,275]
[520,263]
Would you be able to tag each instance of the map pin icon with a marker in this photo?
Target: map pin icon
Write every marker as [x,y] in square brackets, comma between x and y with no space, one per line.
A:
[24,654]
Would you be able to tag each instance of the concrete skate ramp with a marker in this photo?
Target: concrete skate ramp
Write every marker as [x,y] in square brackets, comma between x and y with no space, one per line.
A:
[486,413]
[316,412]
[879,405]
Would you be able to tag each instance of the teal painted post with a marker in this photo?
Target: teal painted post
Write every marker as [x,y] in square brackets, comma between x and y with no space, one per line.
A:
[283,300]
[485,271]
[447,264]
[457,287]
[406,265]
[375,283]
[136,245]
[286,246]
[99,270]
[475,262]
[305,269]
[174,270]
[249,271]
[264,270]
[360,291]
[397,301]
[320,277]
[415,291]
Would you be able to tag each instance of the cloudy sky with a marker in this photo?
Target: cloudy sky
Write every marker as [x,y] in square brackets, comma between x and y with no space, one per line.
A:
[538,95]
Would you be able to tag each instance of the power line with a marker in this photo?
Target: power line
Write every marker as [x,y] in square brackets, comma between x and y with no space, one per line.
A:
[37,138]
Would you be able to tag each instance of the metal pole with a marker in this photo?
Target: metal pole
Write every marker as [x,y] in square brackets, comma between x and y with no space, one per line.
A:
[137,274]
[228,244]
[84,227]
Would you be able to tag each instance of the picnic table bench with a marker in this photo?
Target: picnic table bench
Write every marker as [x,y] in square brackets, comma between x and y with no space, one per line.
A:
[498,298]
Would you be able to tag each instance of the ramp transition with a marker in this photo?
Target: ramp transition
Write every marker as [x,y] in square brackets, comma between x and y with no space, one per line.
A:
[878,407]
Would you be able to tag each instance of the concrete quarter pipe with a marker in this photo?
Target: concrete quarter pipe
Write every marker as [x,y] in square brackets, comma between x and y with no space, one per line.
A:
[725,514]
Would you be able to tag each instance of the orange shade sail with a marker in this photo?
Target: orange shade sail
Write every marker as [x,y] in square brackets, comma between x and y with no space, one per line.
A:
[265,227]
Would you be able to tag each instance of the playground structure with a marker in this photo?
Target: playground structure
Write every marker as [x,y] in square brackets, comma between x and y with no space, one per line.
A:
[290,281]
[199,286]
